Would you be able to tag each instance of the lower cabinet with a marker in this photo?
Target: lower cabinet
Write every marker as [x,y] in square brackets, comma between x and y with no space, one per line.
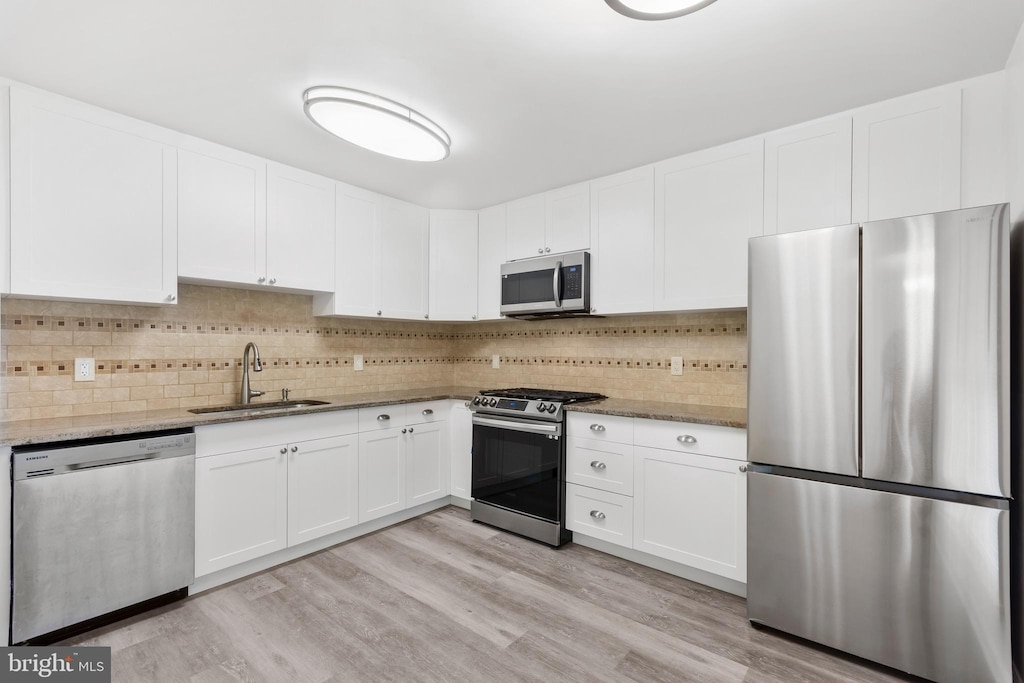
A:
[460,431]
[426,463]
[323,487]
[597,513]
[691,509]
[381,473]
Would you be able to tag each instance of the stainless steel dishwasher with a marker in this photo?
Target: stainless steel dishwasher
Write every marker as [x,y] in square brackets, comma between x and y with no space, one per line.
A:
[101,529]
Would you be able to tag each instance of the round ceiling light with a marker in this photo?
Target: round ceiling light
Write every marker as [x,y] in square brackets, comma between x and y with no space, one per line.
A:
[376,123]
[653,10]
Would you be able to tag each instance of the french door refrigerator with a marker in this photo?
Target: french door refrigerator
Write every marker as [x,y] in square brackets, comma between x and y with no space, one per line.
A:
[878,432]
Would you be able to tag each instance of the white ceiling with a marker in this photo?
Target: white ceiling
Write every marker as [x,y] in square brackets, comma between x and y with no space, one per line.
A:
[536,94]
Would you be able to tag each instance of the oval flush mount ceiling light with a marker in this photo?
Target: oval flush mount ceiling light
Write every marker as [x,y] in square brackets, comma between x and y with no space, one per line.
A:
[376,123]
[653,10]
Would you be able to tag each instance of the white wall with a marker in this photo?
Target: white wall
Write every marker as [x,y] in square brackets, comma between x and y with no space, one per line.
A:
[1014,75]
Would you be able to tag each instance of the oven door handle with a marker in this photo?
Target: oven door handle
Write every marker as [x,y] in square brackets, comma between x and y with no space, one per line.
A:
[531,427]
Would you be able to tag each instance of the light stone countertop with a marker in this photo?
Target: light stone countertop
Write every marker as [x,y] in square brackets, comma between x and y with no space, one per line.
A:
[51,430]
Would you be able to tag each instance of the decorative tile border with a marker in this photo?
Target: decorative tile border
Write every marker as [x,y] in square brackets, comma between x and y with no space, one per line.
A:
[640,330]
[120,366]
[689,364]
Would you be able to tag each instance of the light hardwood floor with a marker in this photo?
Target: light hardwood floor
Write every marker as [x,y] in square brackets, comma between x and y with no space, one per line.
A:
[440,598]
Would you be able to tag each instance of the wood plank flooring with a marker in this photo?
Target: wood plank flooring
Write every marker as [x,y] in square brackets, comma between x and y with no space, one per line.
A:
[439,598]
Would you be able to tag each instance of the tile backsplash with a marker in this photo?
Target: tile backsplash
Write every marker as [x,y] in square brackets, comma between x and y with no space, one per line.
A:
[189,355]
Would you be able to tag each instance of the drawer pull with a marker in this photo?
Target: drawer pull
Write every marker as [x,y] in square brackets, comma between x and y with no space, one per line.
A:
[686,438]
[597,514]
[410,430]
[284,449]
[596,428]
[382,417]
[598,465]
[404,430]
[428,411]
[743,468]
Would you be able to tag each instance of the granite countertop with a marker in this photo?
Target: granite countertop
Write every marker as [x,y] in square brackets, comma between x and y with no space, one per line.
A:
[662,410]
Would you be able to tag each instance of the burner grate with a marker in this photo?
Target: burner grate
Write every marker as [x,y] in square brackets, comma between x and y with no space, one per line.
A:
[531,394]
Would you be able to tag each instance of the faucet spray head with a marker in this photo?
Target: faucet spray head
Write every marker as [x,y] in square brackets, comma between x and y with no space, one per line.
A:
[257,364]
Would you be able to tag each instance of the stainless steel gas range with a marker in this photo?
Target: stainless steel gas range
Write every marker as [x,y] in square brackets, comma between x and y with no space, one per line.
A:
[519,461]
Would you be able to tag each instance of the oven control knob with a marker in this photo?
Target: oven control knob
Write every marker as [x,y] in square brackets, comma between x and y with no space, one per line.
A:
[493,402]
[476,400]
[552,407]
[541,407]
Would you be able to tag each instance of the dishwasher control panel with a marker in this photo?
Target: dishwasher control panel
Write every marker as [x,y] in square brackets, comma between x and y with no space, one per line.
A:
[45,460]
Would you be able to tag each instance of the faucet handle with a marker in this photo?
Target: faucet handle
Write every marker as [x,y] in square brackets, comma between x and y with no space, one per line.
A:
[254,393]
[284,393]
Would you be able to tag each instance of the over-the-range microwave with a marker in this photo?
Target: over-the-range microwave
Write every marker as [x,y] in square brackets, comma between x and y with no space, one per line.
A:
[546,286]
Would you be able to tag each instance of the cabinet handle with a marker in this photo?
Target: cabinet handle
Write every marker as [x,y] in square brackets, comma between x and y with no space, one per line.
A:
[540,251]
[171,297]
[428,411]
[273,280]
[598,465]
[261,279]
[404,430]
[426,316]
[378,312]
[295,449]
[686,438]
[382,417]
[410,430]
[597,514]
[596,427]
[284,449]
[474,317]
[547,250]
[743,468]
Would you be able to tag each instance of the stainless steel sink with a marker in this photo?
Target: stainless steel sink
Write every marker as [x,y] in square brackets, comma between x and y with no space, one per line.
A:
[267,407]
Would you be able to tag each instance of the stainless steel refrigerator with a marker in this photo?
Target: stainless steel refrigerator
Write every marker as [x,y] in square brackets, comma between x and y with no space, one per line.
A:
[879,437]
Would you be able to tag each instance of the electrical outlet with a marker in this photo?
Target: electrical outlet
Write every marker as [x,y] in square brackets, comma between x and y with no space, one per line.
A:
[357,362]
[495,361]
[85,369]
[677,365]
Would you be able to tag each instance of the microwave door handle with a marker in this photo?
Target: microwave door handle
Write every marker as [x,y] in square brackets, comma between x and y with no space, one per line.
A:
[556,284]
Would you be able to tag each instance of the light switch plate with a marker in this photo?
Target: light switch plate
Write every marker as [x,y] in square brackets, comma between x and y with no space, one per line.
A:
[85,369]
[357,362]
[495,361]
[677,365]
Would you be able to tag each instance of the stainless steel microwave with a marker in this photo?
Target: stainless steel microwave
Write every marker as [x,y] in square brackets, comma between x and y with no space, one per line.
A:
[546,286]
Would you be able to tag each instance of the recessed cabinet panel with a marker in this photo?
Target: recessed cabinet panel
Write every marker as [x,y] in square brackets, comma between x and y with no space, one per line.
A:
[622,239]
[608,516]
[460,430]
[568,219]
[491,255]
[93,204]
[323,487]
[381,473]
[358,259]
[453,265]
[405,250]
[524,227]
[300,229]
[426,462]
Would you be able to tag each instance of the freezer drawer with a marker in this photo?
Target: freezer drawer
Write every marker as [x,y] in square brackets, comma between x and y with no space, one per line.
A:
[915,583]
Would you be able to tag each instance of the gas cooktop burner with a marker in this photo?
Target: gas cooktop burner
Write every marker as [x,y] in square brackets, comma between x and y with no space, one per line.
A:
[543,395]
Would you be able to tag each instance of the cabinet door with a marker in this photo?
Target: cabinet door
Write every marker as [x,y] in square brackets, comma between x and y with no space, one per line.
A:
[491,255]
[691,509]
[524,227]
[93,204]
[906,156]
[622,242]
[807,176]
[241,507]
[358,275]
[404,257]
[567,225]
[460,431]
[222,216]
[707,205]
[323,487]
[453,265]
[381,473]
[300,229]
[426,459]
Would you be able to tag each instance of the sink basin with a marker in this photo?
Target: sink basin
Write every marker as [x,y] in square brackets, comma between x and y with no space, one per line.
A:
[265,407]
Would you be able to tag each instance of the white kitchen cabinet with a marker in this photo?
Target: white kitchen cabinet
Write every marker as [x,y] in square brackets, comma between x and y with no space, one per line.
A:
[222,215]
[691,509]
[323,487]
[404,260]
[460,435]
[548,223]
[707,205]
[241,506]
[93,203]
[5,197]
[426,462]
[453,265]
[602,465]
[357,258]
[382,488]
[906,155]
[807,176]
[622,242]
[491,254]
[300,229]
[598,513]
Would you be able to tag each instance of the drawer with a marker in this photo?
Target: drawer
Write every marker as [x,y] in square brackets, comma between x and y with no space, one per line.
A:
[427,411]
[381,417]
[599,514]
[230,437]
[601,427]
[720,442]
[600,465]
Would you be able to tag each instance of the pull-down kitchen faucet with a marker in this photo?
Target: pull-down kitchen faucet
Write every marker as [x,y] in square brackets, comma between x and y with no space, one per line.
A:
[257,366]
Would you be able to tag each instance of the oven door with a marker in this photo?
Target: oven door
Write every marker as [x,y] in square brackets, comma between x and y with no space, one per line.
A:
[517,465]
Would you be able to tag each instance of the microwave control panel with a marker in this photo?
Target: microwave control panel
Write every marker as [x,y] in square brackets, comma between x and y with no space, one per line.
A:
[572,282]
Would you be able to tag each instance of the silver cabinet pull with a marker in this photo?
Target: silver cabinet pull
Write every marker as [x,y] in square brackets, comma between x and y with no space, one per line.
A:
[686,438]
[597,514]
[171,297]
[540,251]
[410,430]
[382,417]
[428,411]
[426,316]
[598,465]
[295,449]
[474,317]
[379,312]
[261,279]
[404,430]
[547,250]
[273,280]
[743,468]
[284,449]
[596,428]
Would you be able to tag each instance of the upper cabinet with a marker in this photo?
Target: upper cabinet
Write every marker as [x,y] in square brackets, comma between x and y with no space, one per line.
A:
[222,215]
[622,242]
[706,206]
[404,260]
[490,256]
[807,171]
[906,155]
[93,203]
[548,223]
[300,229]
[357,255]
[453,265]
